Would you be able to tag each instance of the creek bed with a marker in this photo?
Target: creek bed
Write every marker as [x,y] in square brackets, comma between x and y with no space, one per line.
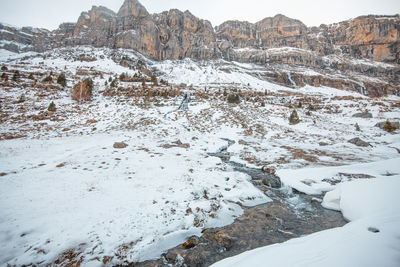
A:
[291,214]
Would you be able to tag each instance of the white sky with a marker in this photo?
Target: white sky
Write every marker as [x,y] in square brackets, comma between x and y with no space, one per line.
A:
[50,13]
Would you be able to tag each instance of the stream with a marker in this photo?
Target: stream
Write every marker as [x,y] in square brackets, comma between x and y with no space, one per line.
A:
[291,214]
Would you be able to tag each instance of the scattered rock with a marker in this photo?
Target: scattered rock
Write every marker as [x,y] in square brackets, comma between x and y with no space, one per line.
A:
[60,165]
[323,144]
[171,257]
[91,121]
[269,170]
[224,240]
[120,145]
[365,115]
[266,182]
[3,174]
[177,143]
[191,242]
[358,142]
[373,229]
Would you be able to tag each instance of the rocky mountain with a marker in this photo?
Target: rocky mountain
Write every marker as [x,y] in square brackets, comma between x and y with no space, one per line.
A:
[273,41]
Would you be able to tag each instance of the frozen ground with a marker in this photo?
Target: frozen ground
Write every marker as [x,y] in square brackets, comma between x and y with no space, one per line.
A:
[66,195]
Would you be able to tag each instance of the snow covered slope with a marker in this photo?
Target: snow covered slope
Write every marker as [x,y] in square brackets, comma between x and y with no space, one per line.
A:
[68,196]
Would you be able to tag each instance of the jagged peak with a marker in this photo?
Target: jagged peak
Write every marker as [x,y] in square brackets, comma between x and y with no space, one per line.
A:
[103,10]
[132,8]
[282,20]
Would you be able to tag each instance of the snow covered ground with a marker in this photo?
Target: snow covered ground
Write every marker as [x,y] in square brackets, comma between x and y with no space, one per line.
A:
[65,190]
[100,198]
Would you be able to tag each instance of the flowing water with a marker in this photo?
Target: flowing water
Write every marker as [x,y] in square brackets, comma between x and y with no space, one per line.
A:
[291,214]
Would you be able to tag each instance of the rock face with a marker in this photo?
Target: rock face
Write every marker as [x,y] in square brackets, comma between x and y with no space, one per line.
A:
[373,37]
[24,39]
[174,34]
[279,31]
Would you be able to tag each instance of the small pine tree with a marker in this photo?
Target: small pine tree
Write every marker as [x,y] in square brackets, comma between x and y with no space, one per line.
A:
[233,99]
[154,79]
[47,79]
[15,76]
[4,68]
[143,83]
[52,107]
[122,77]
[110,79]
[294,118]
[89,84]
[3,76]
[61,80]
[388,127]
[357,127]
[30,77]
[114,83]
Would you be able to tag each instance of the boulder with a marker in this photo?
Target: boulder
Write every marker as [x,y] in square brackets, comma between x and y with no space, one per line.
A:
[358,142]
[191,242]
[365,115]
[82,91]
[119,145]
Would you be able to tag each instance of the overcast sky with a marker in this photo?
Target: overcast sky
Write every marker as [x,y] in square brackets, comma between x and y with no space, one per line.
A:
[50,13]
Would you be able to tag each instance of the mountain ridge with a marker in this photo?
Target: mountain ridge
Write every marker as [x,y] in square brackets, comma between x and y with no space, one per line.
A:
[170,34]
[272,42]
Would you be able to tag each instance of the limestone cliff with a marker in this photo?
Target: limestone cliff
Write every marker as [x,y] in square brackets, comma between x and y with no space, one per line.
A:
[272,41]
[175,35]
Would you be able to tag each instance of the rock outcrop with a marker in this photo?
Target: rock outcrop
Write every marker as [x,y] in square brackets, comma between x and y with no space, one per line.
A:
[24,39]
[347,48]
